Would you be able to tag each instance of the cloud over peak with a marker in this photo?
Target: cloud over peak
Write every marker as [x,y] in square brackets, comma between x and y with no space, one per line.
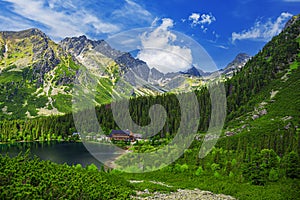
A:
[62,18]
[59,22]
[160,51]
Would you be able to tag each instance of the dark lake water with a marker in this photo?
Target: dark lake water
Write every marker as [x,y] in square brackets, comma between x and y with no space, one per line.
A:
[58,152]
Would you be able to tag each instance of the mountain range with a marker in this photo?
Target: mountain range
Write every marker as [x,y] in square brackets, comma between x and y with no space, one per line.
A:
[37,74]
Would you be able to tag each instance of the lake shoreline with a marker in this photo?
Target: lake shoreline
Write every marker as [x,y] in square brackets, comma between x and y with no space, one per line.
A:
[71,153]
[24,141]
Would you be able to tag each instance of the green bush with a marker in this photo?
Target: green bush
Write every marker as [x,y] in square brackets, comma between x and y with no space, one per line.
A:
[273,175]
[199,171]
[24,178]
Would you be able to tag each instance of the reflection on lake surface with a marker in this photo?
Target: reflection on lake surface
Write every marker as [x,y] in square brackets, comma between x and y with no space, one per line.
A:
[71,153]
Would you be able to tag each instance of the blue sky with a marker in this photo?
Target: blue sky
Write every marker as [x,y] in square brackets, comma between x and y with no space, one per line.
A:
[222,28]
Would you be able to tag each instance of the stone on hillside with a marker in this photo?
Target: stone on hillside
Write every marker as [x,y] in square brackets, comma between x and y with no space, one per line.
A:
[286,118]
[263,112]
[230,133]
[146,191]
[288,126]
[244,126]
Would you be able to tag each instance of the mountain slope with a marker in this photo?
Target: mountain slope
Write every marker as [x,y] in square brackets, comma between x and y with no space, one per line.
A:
[272,62]
[263,98]
[35,74]
[261,147]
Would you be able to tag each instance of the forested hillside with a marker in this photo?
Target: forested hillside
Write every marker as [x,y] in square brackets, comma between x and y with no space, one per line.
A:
[277,59]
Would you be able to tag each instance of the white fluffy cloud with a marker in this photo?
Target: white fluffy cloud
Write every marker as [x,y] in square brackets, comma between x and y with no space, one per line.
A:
[194,17]
[159,51]
[61,23]
[263,31]
[198,19]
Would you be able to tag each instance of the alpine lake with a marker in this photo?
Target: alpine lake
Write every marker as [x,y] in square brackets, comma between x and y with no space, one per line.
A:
[71,153]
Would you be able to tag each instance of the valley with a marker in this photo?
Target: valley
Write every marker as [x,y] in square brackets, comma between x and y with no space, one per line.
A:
[256,157]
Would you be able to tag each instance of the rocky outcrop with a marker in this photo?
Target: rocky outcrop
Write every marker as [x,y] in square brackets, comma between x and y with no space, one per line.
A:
[155,74]
[43,66]
[195,194]
[193,71]
[136,66]
[292,21]
[78,45]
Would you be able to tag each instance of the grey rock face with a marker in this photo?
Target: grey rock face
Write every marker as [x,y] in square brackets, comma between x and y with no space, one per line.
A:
[136,66]
[78,45]
[155,74]
[193,71]
[171,75]
[239,62]
[104,48]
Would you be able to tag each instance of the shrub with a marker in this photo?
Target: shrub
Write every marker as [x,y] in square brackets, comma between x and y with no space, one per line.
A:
[199,171]
[273,175]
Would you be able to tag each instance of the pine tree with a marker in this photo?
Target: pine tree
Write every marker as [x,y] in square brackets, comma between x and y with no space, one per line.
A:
[292,165]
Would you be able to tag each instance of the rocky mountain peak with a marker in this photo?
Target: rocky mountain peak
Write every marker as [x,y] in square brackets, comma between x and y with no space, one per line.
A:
[77,45]
[23,34]
[193,71]
[239,61]
[156,74]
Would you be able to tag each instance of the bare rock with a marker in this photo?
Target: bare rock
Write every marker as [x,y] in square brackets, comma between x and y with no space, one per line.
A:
[287,127]
[189,195]
[254,117]
[263,112]
[229,133]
